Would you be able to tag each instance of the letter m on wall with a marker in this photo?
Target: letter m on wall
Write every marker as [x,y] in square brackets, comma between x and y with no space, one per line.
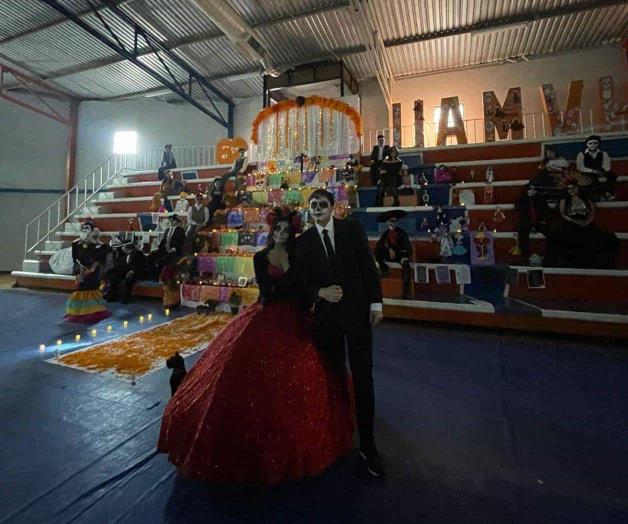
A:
[503,119]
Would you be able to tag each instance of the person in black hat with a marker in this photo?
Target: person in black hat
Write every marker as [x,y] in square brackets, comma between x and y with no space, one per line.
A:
[394,246]
[170,248]
[167,162]
[128,267]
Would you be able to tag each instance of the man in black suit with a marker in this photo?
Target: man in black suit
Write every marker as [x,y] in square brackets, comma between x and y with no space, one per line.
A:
[378,155]
[335,267]
[170,248]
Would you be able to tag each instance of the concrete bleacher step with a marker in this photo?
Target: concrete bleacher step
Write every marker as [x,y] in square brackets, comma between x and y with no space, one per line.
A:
[151,174]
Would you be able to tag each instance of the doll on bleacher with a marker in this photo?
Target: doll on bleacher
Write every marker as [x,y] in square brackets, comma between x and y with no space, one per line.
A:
[596,164]
[394,246]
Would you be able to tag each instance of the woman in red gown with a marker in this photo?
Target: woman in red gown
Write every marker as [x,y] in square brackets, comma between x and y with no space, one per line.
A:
[260,406]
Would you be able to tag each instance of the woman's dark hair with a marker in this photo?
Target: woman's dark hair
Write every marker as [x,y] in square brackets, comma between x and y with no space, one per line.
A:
[393,148]
[277,216]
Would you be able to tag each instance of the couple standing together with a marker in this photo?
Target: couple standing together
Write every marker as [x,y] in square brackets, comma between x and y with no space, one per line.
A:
[271,400]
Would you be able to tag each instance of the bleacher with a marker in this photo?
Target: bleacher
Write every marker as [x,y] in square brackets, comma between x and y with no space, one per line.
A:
[581,301]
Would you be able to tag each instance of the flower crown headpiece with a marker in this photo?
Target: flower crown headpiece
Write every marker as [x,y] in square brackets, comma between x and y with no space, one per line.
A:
[283,213]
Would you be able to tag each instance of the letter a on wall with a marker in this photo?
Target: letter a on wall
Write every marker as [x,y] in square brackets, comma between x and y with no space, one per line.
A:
[419,121]
[503,119]
[396,118]
[570,122]
[446,105]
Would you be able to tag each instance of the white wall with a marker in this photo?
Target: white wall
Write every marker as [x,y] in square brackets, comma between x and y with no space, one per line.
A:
[375,113]
[243,116]
[32,174]
[156,123]
[469,84]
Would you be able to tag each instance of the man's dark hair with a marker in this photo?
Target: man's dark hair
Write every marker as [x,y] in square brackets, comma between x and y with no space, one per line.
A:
[322,193]
[380,136]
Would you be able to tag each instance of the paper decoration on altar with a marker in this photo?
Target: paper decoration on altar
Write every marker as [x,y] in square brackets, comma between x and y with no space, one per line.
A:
[463,274]
[421,274]
[235,218]
[570,123]
[396,121]
[250,215]
[275,197]
[275,180]
[294,197]
[228,240]
[261,238]
[260,197]
[482,248]
[244,267]
[308,177]
[209,293]
[442,274]
[206,264]
[325,175]
[447,105]
[227,149]
[294,179]
[419,124]
[190,294]
[503,119]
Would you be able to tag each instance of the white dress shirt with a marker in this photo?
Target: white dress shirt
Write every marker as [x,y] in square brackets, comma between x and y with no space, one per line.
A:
[380,152]
[375,306]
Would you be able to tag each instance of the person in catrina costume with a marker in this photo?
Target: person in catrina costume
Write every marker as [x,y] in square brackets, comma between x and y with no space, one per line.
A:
[86,304]
[394,246]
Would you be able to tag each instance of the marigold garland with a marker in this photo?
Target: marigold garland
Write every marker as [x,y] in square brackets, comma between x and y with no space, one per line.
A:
[286,105]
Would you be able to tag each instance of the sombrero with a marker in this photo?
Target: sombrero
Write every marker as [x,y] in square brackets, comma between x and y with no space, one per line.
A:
[393,213]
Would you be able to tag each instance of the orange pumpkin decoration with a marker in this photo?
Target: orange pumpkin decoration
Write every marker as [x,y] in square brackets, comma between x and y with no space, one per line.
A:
[227,149]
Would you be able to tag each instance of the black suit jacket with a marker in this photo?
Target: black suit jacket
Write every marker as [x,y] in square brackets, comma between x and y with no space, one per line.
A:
[177,242]
[374,153]
[354,271]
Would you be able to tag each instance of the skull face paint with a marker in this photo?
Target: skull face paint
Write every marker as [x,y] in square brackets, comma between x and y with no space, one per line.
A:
[281,233]
[320,209]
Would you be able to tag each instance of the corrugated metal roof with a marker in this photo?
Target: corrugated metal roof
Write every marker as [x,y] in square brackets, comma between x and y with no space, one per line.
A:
[313,29]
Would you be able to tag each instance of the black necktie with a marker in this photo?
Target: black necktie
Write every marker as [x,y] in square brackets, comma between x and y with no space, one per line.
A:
[331,254]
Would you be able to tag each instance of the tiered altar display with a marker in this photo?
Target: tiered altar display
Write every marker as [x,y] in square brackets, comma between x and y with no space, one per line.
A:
[302,145]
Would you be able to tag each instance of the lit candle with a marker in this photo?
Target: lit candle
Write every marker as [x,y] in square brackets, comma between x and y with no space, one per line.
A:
[167,312]
[94,332]
[59,342]
[141,319]
[150,316]
[109,328]
[77,338]
[125,323]
[42,348]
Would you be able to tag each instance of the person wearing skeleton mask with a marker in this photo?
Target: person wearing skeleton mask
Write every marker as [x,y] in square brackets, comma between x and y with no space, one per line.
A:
[335,267]
[86,304]
[596,164]
[394,246]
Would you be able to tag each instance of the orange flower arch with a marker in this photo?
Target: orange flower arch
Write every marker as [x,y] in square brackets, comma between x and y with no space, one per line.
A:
[327,103]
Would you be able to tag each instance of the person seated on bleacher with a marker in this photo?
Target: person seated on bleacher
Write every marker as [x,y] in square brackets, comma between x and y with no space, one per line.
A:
[128,267]
[535,216]
[390,178]
[167,162]
[379,153]
[394,246]
[238,168]
[547,181]
[577,241]
[172,184]
[198,218]
[216,194]
[406,188]
[348,174]
[596,164]
[170,248]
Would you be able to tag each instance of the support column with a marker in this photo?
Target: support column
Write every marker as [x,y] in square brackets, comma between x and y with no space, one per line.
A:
[70,162]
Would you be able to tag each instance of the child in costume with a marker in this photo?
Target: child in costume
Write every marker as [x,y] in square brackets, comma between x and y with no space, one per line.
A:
[86,304]
[394,246]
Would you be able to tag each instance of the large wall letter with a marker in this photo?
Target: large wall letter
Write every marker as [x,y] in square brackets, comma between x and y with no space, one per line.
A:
[570,122]
[504,118]
[419,121]
[396,119]
[446,105]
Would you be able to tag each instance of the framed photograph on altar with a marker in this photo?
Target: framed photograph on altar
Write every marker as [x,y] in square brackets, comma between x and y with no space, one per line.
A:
[242,281]
[221,278]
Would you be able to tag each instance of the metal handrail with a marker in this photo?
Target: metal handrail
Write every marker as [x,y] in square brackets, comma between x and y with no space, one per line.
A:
[76,198]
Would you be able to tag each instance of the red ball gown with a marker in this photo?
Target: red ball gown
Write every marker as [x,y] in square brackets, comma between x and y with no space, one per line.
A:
[260,406]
